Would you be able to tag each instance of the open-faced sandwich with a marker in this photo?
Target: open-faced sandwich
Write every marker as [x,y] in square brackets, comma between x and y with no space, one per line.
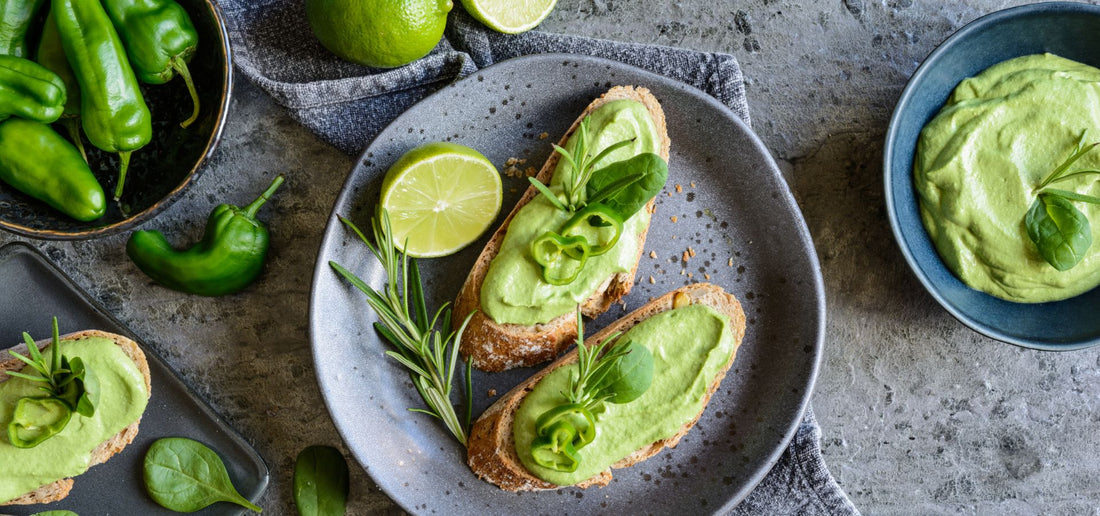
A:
[575,237]
[623,395]
[63,412]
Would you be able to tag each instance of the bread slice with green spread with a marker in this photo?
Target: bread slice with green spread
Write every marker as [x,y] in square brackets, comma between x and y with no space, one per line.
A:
[493,346]
[492,451]
[60,489]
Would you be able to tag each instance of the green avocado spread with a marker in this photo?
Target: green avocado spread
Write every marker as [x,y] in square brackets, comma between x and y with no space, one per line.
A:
[122,400]
[980,159]
[690,346]
[513,290]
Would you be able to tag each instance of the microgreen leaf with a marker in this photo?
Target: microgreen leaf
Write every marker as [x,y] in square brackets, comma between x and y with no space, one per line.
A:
[1060,232]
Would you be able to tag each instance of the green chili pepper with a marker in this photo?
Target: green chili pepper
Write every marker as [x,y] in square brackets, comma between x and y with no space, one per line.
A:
[16,17]
[229,257]
[40,163]
[576,416]
[113,112]
[555,253]
[52,57]
[27,90]
[554,449]
[160,39]
[587,222]
[37,419]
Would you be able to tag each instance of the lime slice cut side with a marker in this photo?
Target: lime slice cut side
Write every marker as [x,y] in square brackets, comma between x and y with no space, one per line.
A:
[441,197]
[510,16]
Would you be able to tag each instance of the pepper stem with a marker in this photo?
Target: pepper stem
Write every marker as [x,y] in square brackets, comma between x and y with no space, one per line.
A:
[251,209]
[124,158]
[72,126]
[180,66]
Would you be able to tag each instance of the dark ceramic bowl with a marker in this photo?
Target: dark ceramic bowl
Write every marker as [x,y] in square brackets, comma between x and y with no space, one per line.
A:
[163,169]
[1067,29]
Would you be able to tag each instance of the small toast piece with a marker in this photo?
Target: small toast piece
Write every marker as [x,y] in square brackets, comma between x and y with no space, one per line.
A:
[492,448]
[493,346]
[58,490]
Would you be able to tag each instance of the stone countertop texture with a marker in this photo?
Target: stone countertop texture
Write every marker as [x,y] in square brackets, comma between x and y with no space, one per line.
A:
[920,414]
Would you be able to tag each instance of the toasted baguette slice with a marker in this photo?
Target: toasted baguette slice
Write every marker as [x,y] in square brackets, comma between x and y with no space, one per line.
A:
[492,346]
[492,448]
[60,489]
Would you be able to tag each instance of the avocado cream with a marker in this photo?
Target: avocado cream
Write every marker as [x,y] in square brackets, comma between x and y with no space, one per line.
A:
[122,400]
[690,346]
[513,290]
[979,161]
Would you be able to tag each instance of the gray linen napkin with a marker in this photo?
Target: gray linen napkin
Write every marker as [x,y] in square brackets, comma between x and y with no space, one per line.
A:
[347,105]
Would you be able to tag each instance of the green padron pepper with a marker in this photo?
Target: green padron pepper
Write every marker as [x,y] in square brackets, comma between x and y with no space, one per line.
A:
[554,448]
[16,18]
[27,90]
[561,258]
[229,257]
[113,112]
[52,57]
[40,163]
[37,419]
[593,222]
[160,40]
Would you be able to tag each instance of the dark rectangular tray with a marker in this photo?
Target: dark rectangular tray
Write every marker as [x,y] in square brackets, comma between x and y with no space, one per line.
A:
[34,290]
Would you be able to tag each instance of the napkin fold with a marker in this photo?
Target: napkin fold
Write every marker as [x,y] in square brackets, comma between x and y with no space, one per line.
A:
[347,105]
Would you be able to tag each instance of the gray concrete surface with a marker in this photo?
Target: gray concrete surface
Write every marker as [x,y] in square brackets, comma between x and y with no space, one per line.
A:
[920,415]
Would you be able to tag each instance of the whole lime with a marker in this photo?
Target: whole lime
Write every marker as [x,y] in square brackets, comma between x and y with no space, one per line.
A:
[378,33]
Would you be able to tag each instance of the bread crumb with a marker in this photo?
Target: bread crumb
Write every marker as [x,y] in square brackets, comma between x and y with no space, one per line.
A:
[510,161]
[707,276]
[653,254]
[686,256]
[693,184]
[544,136]
[669,194]
[691,251]
[512,171]
[674,219]
[651,280]
[681,272]
[730,262]
[530,171]
[690,274]
[679,188]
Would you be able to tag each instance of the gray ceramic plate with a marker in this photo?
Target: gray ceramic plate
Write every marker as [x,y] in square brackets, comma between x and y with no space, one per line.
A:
[732,208]
[34,289]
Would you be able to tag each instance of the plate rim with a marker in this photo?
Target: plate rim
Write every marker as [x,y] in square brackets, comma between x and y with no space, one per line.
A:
[330,237]
[892,203]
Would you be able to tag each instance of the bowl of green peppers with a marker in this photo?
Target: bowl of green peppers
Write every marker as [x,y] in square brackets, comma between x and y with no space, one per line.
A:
[108,110]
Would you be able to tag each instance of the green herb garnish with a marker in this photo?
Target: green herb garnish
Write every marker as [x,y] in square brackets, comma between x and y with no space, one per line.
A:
[1060,231]
[608,372]
[69,387]
[185,476]
[430,355]
[321,482]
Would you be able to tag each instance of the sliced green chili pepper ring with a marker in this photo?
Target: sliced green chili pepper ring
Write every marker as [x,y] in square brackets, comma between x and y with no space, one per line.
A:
[37,419]
[555,253]
[593,217]
[576,416]
[555,449]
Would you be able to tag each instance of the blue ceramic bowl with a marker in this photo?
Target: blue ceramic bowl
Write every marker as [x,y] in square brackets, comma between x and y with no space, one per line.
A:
[1067,29]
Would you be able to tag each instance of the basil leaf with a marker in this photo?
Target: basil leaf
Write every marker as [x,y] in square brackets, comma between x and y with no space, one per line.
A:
[184,476]
[1061,233]
[321,482]
[653,172]
[629,376]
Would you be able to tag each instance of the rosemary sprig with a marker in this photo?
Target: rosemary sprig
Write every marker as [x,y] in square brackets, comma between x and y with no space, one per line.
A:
[582,165]
[593,364]
[430,355]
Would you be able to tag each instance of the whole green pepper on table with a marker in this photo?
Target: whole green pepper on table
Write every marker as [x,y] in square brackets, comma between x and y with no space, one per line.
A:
[51,55]
[113,111]
[160,39]
[16,18]
[39,162]
[29,91]
[229,257]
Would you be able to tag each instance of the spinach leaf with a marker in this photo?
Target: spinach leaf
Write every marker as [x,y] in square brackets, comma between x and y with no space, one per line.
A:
[629,376]
[321,482]
[607,184]
[1060,232]
[184,476]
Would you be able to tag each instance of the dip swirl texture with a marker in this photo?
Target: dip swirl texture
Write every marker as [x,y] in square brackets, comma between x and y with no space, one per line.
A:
[980,159]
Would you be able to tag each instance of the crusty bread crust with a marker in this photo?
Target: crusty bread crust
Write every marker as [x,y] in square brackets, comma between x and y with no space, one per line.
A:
[60,489]
[496,347]
[491,447]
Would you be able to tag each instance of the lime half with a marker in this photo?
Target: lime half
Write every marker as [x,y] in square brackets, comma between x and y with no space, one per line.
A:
[510,16]
[440,197]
